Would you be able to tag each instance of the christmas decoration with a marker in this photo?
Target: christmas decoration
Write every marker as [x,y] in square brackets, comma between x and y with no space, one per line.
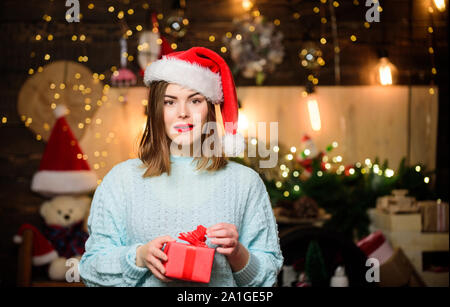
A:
[376,246]
[123,77]
[434,216]
[64,168]
[176,24]
[43,252]
[256,48]
[152,45]
[190,262]
[345,192]
[398,202]
[61,82]
[315,266]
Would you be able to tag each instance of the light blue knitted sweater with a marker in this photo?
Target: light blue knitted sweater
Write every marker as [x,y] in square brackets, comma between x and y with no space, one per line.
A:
[128,210]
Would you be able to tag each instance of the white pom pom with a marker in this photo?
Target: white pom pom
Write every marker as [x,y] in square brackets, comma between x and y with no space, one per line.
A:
[17,239]
[60,110]
[233,144]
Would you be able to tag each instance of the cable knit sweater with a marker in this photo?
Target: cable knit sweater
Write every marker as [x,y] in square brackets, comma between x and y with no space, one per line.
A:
[128,211]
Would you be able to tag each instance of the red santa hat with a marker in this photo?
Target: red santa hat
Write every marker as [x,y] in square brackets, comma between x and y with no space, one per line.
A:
[376,246]
[43,251]
[63,168]
[205,71]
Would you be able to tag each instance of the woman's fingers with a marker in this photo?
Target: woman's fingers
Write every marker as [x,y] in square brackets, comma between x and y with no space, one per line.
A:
[226,242]
[221,233]
[158,254]
[157,264]
[158,274]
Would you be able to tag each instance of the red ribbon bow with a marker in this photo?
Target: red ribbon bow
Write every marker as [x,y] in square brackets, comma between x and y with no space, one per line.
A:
[196,237]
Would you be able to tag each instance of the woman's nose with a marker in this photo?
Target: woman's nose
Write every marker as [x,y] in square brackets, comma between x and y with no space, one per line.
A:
[182,110]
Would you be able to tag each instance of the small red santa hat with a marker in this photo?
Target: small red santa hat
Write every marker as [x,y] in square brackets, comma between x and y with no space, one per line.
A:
[63,169]
[376,246]
[43,251]
[205,71]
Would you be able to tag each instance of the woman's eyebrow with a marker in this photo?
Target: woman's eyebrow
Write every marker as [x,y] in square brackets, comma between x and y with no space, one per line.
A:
[174,97]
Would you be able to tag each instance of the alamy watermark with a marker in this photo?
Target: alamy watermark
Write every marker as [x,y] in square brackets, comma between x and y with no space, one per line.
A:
[373,13]
[212,145]
[73,13]
[72,274]
[373,273]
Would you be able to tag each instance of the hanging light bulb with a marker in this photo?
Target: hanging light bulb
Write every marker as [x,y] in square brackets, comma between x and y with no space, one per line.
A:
[385,71]
[440,5]
[313,109]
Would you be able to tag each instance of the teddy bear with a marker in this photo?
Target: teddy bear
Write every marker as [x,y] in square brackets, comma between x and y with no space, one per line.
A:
[66,229]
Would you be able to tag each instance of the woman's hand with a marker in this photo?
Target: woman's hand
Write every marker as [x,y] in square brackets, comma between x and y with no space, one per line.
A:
[225,235]
[150,255]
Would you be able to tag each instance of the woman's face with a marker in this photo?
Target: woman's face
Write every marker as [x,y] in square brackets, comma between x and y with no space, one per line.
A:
[185,112]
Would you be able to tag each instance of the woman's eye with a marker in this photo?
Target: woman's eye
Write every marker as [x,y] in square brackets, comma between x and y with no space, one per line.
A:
[195,101]
[169,102]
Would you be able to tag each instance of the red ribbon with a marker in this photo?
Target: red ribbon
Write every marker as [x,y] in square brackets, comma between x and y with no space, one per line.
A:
[195,238]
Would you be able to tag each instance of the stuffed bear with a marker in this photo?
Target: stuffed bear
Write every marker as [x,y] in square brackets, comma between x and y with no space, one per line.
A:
[65,227]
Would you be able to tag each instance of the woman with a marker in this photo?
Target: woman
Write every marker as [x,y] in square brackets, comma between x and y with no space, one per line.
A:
[141,204]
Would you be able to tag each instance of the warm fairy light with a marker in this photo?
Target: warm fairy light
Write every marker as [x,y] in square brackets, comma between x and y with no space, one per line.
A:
[314,115]
[242,121]
[289,157]
[368,162]
[376,168]
[388,173]
[296,173]
[223,49]
[278,184]
[4,120]
[247,5]
[319,173]
[426,179]
[283,167]
[307,152]
[293,149]
[111,9]
[120,15]
[440,5]
[353,38]
[276,22]
[284,174]
[276,148]
[286,193]
[228,34]
[254,141]
[418,168]
[139,28]
[212,38]
[296,188]
[130,12]
[238,37]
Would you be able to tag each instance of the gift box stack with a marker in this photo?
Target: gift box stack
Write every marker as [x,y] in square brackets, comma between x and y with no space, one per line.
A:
[190,262]
[416,228]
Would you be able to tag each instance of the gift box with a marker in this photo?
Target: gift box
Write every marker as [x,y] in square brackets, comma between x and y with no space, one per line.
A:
[398,202]
[434,216]
[190,262]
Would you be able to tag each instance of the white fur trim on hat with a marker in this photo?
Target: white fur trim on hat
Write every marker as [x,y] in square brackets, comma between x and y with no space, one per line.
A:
[60,110]
[62,182]
[233,144]
[44,259]
[190,75]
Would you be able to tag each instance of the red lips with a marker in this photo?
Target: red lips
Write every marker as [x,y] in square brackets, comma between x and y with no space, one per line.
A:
[183,128]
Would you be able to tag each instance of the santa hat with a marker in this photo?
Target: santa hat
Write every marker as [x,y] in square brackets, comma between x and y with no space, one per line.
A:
[43,251]
[63,169]
[205,71]
[376,246]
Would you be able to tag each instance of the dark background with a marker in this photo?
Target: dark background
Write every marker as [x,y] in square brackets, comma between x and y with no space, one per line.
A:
[402,32]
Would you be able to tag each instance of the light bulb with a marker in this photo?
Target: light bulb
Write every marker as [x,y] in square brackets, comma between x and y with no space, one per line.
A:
[314,114]
[386,72]
[440,5]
